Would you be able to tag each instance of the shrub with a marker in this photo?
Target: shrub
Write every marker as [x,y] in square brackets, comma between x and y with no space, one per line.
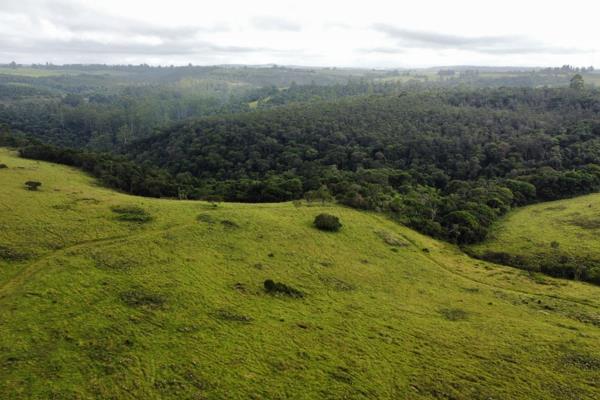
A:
[272,287]
[33,185]
[463,227]
[327,222]
[498,257]
[131,214]
[9,254]
[2,166]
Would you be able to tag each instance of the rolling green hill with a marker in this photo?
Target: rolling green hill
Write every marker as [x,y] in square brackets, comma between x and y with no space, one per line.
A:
[106,295]
[559,238]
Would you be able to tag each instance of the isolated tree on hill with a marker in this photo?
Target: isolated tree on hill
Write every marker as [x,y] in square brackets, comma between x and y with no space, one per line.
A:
[577,82]
[327,222]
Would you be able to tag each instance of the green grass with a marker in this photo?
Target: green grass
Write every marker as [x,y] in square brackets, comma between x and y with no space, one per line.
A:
[41,72]
[567,229]
[30,72]
[99,307]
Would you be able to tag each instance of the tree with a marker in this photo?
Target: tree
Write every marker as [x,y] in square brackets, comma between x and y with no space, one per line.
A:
[577,82]
[327,222]
[322,194]
[33,185]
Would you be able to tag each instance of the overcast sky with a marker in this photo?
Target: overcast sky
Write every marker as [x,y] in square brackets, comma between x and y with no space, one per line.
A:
[344,33]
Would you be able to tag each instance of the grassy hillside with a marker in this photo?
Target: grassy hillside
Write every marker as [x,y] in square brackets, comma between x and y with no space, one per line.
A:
[95,305]
[561,234]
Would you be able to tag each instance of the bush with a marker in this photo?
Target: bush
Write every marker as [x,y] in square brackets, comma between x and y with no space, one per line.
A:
[463,227]
[2,166]
[327,222]
[498,257]
[131,214]
[10,254]
[33,185]
[272,287]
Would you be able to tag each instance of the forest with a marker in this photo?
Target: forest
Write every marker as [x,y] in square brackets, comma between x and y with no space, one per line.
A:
[102,107]
[445,159]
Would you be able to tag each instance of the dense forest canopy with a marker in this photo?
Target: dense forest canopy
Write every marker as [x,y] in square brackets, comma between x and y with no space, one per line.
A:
[102,107]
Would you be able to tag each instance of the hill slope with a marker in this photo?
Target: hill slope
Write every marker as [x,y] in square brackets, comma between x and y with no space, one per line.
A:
[560,238]
[93,306]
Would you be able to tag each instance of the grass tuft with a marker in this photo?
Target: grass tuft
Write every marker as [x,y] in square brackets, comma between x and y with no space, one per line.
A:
[142,298]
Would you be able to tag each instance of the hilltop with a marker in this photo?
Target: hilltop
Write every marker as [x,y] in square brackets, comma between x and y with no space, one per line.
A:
[107,295]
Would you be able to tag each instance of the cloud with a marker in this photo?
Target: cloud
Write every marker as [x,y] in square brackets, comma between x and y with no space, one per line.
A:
[481,44]
[288,33]
[83,46]
[65,28]
[78,19]
[383,50]
[275,24]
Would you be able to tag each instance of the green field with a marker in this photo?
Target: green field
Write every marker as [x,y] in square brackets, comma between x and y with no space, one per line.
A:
[560,231]
[96,306]
[29,72]
[41,72]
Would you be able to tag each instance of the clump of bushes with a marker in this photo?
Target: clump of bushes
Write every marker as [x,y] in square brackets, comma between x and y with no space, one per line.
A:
[327,222]
[33,185]
[131,214]
[272,287]
[3,166]
[9,254]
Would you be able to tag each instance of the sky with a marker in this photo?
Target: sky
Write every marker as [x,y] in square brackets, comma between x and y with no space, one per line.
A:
[372,34]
